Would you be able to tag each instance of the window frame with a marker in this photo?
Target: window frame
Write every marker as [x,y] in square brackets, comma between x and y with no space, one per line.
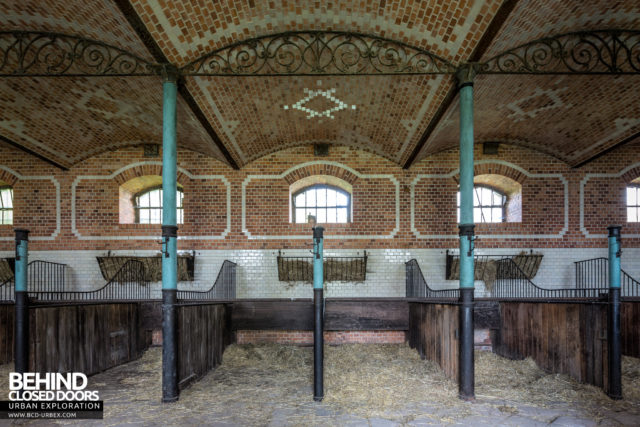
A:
[318,187]
[636,206]
[137,207]
[505,199]
[3,209]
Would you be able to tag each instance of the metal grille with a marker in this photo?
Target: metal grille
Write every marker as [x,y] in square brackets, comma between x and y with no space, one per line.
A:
[594,273]
[128,284]
[513,284]
[335,268]
[485,266]
[417,286]
[42,276]
[224,287]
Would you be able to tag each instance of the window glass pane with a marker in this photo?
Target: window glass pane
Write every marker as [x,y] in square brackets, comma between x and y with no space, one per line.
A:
[179,198]
[310,212]
[322,215]
[300,218]
[458,215]
[496,215]
[632,214]
[632,196]
[8,217]
[299,201]
[322,197]
[486,197]
[144,216]
[311,197]
[342,215]
[476,197]
[477,215]
[458,199]
[6,198]
[143,200]
[331,215]
[331,197]
[180,216]
[486,214]
[157,216]
[341,199]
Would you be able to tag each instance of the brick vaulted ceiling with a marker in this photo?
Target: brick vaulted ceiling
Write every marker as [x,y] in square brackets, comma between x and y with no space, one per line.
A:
[402,118]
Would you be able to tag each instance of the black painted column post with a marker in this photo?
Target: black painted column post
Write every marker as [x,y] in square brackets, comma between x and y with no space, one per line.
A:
[21,349]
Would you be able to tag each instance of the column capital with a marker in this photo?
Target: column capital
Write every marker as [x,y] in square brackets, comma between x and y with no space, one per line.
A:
[614,230]
[465,74]
[21,234]
[169,73]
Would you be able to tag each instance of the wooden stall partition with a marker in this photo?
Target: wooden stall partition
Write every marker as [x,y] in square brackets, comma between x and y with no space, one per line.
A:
[203,334]
[433,332]
[567,338]
[86,338]
[6,333]
[630,328]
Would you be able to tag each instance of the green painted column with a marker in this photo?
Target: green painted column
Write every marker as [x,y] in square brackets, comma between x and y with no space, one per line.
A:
[169,236]
[614,331]
[21,309]
[466,381]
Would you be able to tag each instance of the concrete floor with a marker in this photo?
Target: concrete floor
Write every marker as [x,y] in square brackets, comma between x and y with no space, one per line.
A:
[266,396]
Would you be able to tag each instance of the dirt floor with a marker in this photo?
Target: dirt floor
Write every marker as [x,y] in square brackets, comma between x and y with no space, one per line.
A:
[364,385]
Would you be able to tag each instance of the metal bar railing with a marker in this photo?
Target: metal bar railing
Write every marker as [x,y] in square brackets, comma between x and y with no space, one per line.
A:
[336,268]
[594,273]
[43,276]
[417,287]
[7,290]
[512,283]
[223,288]
[128,284]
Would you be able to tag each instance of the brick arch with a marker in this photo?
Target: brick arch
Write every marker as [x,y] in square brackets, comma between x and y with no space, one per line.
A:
[8,177]
[142,169]
[495,168]
[631,174]
[321,169]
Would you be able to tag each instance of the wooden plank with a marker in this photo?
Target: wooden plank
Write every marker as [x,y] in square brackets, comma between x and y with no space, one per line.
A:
[366,315]
[268,315]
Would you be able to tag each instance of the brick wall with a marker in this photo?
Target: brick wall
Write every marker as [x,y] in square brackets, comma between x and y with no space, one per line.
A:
[397,214]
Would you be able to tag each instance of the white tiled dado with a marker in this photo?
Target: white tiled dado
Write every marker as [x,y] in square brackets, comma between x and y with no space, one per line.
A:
[257,272]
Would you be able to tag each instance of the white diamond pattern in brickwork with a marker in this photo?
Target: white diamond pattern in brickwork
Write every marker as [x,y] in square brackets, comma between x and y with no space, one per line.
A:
[328,94]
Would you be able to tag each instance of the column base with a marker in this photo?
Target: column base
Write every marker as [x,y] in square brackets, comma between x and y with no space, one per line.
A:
[169,346]
[466,378]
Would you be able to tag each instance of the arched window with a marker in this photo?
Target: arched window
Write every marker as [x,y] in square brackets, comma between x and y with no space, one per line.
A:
[488,205]
[148,206]
[6,205]
[327,203]
[633,203]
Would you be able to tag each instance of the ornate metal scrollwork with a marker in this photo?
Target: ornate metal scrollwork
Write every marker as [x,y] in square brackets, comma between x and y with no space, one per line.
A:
[594,52]
[318,52]
[29,53]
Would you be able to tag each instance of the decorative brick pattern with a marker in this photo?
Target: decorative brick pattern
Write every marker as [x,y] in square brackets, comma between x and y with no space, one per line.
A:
[518,110]
[108,113]
[190,29]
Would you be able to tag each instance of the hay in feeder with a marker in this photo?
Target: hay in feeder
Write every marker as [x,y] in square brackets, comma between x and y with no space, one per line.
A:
[6,272]
[111,265]
[487,271]
[295,270]
[345,270]
[528,263]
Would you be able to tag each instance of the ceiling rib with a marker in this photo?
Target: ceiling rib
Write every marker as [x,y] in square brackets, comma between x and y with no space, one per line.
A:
[608,150]
[33,153]
[138,26]
[487,38]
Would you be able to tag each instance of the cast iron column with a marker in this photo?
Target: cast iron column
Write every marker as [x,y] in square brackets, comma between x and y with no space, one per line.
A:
[318,303]
[615,350]
[466,226]
[169,237]
[21,349]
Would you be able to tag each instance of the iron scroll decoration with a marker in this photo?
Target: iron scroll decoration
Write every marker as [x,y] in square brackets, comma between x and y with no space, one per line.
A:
[593,52]
[44,54]
[318,52]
